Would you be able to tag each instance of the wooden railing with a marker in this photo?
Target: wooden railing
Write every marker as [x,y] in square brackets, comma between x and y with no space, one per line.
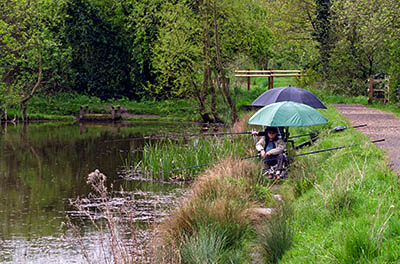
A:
[267,73]
[372,91]
[84,114]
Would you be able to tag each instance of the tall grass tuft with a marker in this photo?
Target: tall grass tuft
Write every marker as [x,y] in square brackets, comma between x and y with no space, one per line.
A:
[358,247]
[275,236]
[302,179]
[203,247]
[219,198]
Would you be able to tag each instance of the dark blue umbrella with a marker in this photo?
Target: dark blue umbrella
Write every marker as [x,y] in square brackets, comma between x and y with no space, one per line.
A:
[288,93]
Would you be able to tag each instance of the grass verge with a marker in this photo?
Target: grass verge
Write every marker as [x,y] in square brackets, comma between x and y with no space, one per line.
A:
[345,204]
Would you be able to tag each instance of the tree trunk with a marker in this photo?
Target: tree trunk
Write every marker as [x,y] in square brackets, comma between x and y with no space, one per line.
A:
[35,87]
[203,112]
[323,32]
[265,62]
[5,114]
[220,73]
[207,81]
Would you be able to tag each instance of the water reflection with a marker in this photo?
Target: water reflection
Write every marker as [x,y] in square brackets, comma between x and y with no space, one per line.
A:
[42,165]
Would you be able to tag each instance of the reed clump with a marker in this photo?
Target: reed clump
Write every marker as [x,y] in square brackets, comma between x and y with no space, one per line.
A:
[165,159]
[217,205]
[275,234]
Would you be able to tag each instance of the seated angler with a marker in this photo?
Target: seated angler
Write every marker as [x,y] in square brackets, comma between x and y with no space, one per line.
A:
[271,148]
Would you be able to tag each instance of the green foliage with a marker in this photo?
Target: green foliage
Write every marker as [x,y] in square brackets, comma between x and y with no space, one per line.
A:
[364,31]
[291,24]
[395,71]
[177,53]
[199,44]
[141,29]
[162,49]
[323,32]
[99,56]
[30,31]
[262,191]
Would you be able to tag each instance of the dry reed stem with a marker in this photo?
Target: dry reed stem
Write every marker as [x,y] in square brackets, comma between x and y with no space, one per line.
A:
[115,246]
[241,125]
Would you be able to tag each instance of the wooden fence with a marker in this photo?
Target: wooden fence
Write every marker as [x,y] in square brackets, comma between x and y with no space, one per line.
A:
[267,73]
[85,116]
[374,93]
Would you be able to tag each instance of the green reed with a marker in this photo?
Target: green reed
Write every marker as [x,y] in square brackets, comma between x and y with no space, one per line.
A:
[171,158]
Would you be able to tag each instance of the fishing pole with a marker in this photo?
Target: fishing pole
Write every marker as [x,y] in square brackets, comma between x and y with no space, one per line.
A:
[336,129]
[339,128]
[184,135]
[287,157]
[330,149]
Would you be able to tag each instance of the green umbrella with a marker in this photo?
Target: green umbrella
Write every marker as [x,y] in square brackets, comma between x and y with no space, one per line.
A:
[287,114]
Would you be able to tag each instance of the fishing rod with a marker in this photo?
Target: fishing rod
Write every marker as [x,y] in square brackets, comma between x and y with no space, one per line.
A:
[336,129]
[287,157]
[339,128]
[184,135]
[330,149]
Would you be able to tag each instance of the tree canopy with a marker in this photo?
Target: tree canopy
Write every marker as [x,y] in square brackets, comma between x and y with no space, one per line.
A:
[185,49]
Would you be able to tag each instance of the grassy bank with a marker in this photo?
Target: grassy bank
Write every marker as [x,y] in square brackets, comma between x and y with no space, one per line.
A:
[67,105]
[344,206]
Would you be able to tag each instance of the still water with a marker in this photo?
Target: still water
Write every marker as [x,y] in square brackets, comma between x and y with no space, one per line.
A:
[43,165]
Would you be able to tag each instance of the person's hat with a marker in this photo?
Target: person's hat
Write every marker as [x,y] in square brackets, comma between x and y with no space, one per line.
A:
[272,129]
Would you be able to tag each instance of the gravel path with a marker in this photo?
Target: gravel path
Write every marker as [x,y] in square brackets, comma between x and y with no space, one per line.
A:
[380,125]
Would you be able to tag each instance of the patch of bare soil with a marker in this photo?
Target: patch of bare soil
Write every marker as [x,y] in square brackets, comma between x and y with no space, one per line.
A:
[380,125]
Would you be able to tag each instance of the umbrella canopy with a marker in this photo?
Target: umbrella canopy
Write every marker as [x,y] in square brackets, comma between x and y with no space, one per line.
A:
[287,114]
[288,93]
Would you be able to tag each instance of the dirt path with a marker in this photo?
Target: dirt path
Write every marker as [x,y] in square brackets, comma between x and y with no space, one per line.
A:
[380,125]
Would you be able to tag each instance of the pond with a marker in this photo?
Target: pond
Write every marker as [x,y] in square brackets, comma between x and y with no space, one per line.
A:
[43,165]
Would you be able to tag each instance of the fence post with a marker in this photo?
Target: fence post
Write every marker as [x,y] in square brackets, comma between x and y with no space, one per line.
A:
[271,80]
[370,90]
[387,90]
[81,112]
[248,80]
[113,114]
